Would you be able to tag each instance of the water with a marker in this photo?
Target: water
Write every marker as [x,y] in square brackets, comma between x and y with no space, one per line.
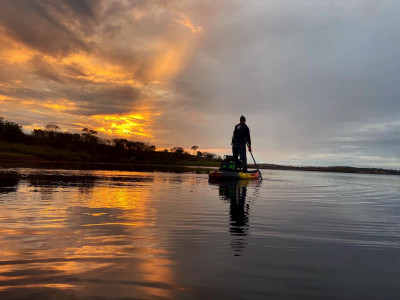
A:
[69,234]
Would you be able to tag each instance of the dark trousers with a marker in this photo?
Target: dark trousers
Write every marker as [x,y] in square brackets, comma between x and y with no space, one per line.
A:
[239,149]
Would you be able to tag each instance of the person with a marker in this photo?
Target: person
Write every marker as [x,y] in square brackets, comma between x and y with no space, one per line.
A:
[241,137]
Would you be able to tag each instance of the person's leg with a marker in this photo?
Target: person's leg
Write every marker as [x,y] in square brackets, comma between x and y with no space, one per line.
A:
[243,157]
[235,150]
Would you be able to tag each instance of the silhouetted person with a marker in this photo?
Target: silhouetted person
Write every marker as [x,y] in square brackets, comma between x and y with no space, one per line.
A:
[241,137]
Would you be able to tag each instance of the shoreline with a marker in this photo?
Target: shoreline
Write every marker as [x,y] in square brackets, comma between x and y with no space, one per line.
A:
[330,169]
[20,161]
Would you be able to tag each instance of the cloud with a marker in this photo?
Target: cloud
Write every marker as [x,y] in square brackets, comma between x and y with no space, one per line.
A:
[96,99]
[99,64]
[45,70]
[302,74]
[185,21]
[42,25]
[313,78]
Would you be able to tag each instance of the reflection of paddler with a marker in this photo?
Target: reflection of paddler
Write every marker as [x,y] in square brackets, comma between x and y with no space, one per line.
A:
[236,194]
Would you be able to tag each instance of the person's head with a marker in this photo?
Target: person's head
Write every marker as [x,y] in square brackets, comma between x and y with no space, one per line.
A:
[242,119]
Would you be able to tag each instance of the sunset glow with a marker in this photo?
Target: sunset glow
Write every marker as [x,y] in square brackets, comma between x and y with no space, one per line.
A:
[185,21]
[115,91]
[180,73]
[12,51]
[125,126]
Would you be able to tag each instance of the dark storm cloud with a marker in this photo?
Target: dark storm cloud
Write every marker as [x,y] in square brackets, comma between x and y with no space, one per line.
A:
[376,139]
[89,99]
[26,93]
[303,57]
[39,24]
[74,70]
[313,78]
[69,74]
[45,70]
[62,27]
[96,99]
[303,72]
[55,27]
[83,8]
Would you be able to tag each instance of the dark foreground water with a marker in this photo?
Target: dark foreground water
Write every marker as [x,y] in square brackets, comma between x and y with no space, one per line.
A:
[143,235]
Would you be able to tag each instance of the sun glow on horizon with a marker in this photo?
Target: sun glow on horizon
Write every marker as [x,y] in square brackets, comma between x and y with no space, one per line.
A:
[126,126]
[77,86]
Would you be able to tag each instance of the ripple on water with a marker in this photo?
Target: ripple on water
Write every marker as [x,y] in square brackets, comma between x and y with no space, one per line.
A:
[110,234]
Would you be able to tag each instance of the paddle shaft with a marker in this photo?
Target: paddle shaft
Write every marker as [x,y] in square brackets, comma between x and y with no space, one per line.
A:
[256,165]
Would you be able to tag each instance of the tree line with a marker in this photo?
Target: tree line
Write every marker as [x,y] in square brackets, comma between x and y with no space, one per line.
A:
[86,145]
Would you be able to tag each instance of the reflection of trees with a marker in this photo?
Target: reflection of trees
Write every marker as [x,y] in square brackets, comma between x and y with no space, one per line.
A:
[9,182]
[235,193]
[49,181]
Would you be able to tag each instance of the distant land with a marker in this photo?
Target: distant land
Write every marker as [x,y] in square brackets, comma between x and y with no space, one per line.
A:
[180,161]
[339,169]
[52,145]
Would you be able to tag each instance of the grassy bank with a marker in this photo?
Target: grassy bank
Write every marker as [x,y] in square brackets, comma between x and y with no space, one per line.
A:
[51,144]
[23,152]
[20,150]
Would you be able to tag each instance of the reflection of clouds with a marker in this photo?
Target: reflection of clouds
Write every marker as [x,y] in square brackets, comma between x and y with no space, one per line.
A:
[87,243]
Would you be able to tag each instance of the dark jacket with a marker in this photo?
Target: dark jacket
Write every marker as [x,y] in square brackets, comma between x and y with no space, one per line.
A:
[241,134]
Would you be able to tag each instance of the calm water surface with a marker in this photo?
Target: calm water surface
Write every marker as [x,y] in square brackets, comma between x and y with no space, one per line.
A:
[68,234]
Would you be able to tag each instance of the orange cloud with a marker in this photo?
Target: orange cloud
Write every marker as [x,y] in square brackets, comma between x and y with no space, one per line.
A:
[13,52]
[139,124]
[99,80]
[185,21]
[96,69]
[173,54]
[60,105]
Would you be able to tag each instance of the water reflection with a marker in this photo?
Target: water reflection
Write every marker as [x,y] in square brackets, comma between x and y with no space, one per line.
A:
[235,193]
[103,167]
[78,232]
[9,182]
[46,182]
[129,235]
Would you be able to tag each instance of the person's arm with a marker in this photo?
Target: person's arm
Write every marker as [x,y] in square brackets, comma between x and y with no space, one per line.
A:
[248,139]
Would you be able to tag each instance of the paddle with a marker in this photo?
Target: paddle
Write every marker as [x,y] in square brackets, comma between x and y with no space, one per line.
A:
[255,164]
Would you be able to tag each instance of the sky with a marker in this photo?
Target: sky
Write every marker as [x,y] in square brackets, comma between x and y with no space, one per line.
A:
[318,81]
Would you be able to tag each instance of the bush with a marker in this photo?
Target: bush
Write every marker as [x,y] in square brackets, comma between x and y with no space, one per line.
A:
[10,131]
